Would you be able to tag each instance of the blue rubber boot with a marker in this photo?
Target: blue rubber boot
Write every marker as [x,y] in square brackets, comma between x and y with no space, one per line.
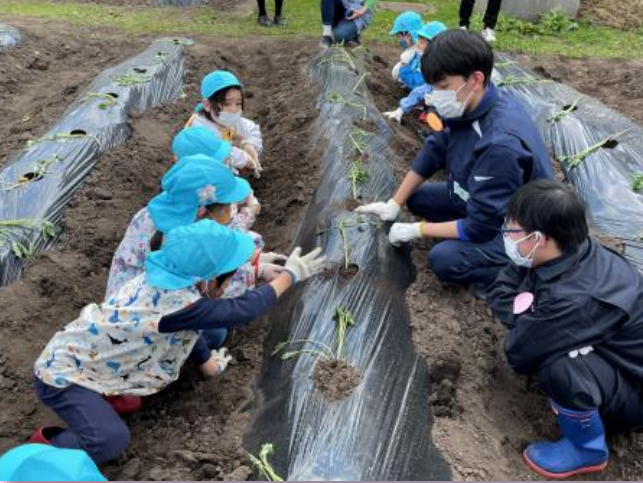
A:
[581,450]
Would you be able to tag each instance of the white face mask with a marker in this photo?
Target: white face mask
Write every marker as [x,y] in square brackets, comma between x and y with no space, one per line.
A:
[447,104]
[230,119]
[511,248]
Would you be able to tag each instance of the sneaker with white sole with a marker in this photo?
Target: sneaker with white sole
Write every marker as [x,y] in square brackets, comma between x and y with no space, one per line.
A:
[326,41]
[489,35]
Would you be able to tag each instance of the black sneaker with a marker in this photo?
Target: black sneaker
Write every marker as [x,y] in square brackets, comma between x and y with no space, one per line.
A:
[279,21]
[326,41]
[264,21]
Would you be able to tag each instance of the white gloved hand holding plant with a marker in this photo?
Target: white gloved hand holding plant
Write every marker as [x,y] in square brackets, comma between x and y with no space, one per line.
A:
[303,267]
[386,211]
[404,232]
[395,115]
[217,363]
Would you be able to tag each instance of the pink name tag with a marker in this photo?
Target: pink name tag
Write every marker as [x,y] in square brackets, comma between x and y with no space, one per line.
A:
[523,302]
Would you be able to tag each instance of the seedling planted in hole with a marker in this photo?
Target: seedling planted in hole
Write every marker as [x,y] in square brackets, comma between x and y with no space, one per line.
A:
[358,141]
[263,465]
[61,138]
[512,80]
[343,225]
[339,54]
[343,320]
[637,182]
[108,100]
[336,98]
[573,160]
[39,171]
[360,80]
[357,175]
[20,245]
[558,115]
[132,79]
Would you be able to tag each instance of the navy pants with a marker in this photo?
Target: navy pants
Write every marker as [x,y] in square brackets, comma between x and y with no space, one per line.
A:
[92,424]
[490,15]
[334,13]
[591,382]
[456,261]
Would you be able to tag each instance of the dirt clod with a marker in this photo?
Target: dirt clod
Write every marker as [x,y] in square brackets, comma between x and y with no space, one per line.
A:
[336,379]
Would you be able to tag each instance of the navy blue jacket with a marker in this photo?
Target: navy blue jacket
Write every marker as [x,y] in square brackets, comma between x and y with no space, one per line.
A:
[592,297]
[489,153]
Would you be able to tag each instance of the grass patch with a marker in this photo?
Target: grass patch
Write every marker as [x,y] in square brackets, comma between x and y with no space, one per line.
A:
[304,21]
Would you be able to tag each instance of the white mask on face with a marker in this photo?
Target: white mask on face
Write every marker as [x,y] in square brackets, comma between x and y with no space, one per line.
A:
[230,119]
[447,104]
[511,248]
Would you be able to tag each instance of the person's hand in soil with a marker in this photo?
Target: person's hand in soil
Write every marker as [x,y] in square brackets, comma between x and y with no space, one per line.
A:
[386,211]
[217,363]
[358,12]
[253,160]
[395,115]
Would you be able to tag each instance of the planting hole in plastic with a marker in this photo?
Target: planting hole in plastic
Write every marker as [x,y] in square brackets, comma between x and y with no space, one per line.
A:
[570,107]
[78,132]
[610,144]
[139,70]
[113,95]
[347,273]
[27,177]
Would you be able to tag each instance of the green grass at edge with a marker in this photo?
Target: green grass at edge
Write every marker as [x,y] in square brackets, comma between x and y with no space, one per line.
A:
[304,21]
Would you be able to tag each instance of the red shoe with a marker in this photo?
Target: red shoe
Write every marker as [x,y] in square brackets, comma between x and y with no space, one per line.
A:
[124,405]
[45,434]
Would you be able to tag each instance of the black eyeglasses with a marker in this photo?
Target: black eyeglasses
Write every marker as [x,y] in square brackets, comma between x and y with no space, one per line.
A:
[504,230]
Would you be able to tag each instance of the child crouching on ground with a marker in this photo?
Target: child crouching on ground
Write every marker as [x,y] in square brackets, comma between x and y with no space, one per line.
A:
[221,111]
[135,343]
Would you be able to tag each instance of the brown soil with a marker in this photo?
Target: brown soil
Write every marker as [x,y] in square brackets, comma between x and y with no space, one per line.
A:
[623,14]
[192,430]
[348,273]
[352,203]
[336,379]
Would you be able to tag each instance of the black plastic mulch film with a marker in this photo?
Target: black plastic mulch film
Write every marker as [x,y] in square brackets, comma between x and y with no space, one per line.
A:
[380,431]
[37,183]
[9,37]
[600,150]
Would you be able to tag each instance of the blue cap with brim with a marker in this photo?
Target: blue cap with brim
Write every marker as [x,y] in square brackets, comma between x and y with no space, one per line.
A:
[431,29]
[216,81]
[41,462]
[200,140]
[408,21]
[194,181]
[200,251]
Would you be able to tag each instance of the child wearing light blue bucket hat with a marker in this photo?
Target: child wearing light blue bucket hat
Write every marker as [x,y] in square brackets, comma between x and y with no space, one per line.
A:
[135,343]
[221,111]
[405,28]
[40,462]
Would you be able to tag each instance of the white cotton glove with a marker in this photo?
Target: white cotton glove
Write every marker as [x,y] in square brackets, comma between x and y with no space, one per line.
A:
[404,232]
[253,204]
[269,271]
[221,357]
[395,115]
[386,211]
[395,72]
[407,56]
[255,165]
[304,267]
[272,257]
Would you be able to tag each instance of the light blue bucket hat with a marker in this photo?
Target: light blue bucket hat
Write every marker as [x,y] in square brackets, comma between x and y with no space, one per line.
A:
[194,181]
[408,21]
[200,140]
[200,251]
[42,462]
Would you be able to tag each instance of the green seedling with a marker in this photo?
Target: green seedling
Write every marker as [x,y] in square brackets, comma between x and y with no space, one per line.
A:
[637,182]
[512,80]
[132,79]
[360,80]
[558,115]
[343,320]
[61,138]
[262,464]
[336,98]
[344,224]
[572,161]
[358,141]
[162,56]
[108,100]
[21,246]
[39,171]
[357,175]
[338,54]
[506,63]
